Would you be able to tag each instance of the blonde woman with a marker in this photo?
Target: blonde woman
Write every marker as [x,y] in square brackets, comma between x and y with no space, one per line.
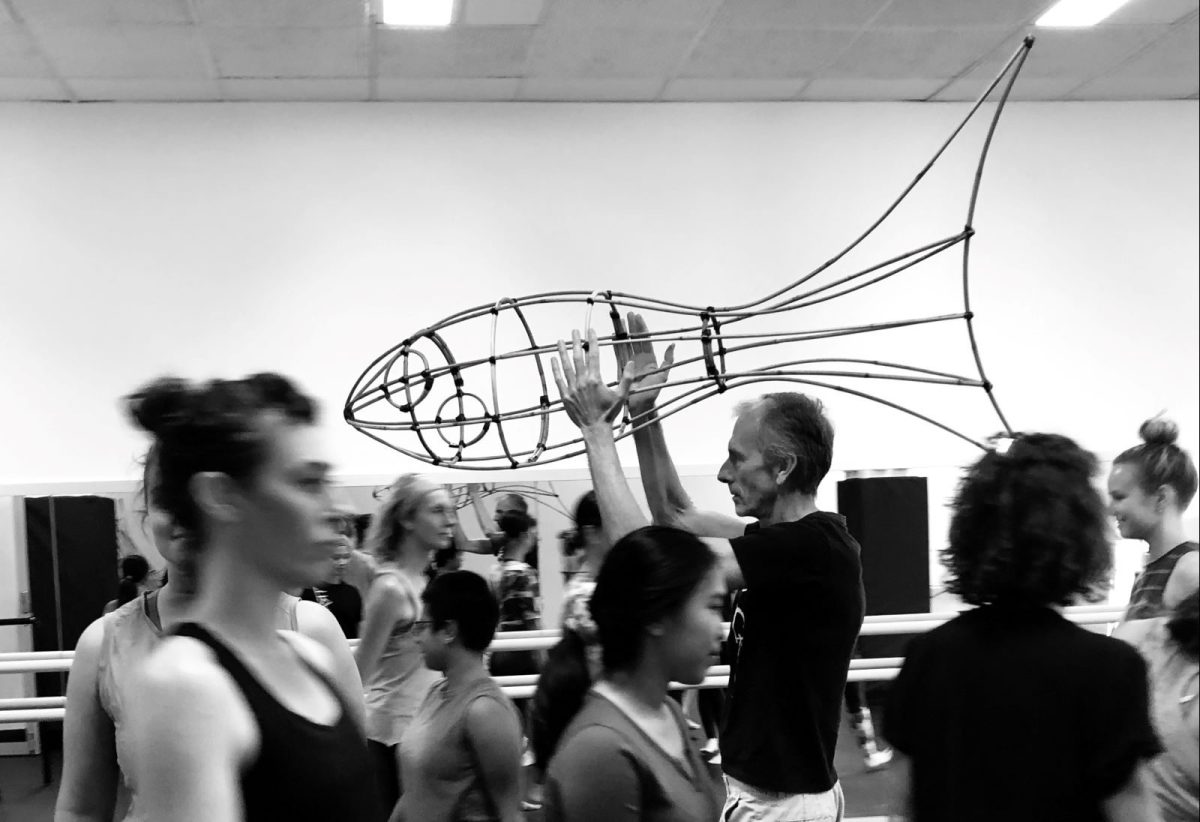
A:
[416,519]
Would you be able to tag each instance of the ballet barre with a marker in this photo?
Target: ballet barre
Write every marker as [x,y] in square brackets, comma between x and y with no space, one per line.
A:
[876,669]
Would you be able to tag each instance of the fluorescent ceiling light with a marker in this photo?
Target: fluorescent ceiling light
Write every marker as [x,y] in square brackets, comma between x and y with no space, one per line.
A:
[417,13]
[1078,13]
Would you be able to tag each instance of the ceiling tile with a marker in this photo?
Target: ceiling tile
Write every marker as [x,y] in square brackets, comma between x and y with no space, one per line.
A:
[1061,59]
[958,13]
[763,14]
[1152,11]
[616,14]
[764,53]
[447,88]
[609,52]
[493,51]
[920,53]
[284,13]
[591,90]
[1137,88]
[1176,55]
[1027,88]
[19,54]
[709,89]
[502,12]
[842,88]
[289,52]
[1083,53]
[32,88]
[124,51]
[144,90]
[41,13]
[280,89]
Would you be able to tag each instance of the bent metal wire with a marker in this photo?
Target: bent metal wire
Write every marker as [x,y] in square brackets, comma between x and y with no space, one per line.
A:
[393,400]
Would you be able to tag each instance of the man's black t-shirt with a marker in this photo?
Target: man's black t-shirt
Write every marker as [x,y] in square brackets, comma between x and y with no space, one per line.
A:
[791,638]
[1016,713]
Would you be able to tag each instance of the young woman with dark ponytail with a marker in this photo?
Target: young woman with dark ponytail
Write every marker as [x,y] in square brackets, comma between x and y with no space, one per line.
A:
[235,719]
[626,755]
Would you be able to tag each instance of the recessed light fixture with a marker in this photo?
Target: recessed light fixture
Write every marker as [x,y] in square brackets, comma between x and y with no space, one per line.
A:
[416,13]
[1078,13]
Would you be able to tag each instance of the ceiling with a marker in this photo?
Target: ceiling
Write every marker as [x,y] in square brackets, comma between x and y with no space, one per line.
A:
[587,50]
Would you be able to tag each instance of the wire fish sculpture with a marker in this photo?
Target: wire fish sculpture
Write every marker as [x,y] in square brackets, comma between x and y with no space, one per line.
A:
[421,399]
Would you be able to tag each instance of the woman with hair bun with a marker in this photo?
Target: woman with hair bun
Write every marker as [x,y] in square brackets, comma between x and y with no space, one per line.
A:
[1063,711]
[1150,486]
[415,520]
[235,719]
[626,755]
[96,740]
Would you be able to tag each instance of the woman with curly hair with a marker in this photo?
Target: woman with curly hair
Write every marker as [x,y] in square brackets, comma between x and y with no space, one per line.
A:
[1009,710]
[416,519]
[1150,486]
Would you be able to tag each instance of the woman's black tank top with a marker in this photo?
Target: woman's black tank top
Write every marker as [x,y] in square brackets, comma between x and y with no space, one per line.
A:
[304,770]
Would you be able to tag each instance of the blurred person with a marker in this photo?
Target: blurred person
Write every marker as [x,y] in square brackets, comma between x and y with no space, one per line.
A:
[444,561]
[338,596]
[360,571]
[230,718]
[1009,710]
[1171,647]
[516,586]
[96,738]
[135,573]
[573,663]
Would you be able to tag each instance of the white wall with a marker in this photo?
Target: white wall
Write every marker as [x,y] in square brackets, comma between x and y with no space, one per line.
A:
[220,239]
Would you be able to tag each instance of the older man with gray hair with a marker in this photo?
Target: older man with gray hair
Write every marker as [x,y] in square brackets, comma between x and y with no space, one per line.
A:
[800,602]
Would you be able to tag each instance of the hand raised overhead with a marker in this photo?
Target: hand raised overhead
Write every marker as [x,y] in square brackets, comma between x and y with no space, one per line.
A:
[587,398]
[648,376]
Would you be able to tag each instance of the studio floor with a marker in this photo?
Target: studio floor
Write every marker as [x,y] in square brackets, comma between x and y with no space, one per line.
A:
[870,796]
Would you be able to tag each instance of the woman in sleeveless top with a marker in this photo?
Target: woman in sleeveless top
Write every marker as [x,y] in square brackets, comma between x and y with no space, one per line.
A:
[461,753]
[1150,486]
[235,719]
[416,519]
[627,755]
[96,745]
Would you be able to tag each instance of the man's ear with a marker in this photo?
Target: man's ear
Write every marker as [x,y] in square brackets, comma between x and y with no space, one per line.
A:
[449,630]
[216,495]
[784,468]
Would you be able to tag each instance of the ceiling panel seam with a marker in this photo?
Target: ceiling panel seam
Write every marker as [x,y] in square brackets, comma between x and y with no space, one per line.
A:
[55,74]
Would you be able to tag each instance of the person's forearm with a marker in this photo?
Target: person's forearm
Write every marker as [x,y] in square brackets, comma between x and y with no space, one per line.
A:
[660,480]
[619,511]
[481,515]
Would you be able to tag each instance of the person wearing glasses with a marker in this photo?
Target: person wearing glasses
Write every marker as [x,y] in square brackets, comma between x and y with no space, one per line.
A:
[460,757]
